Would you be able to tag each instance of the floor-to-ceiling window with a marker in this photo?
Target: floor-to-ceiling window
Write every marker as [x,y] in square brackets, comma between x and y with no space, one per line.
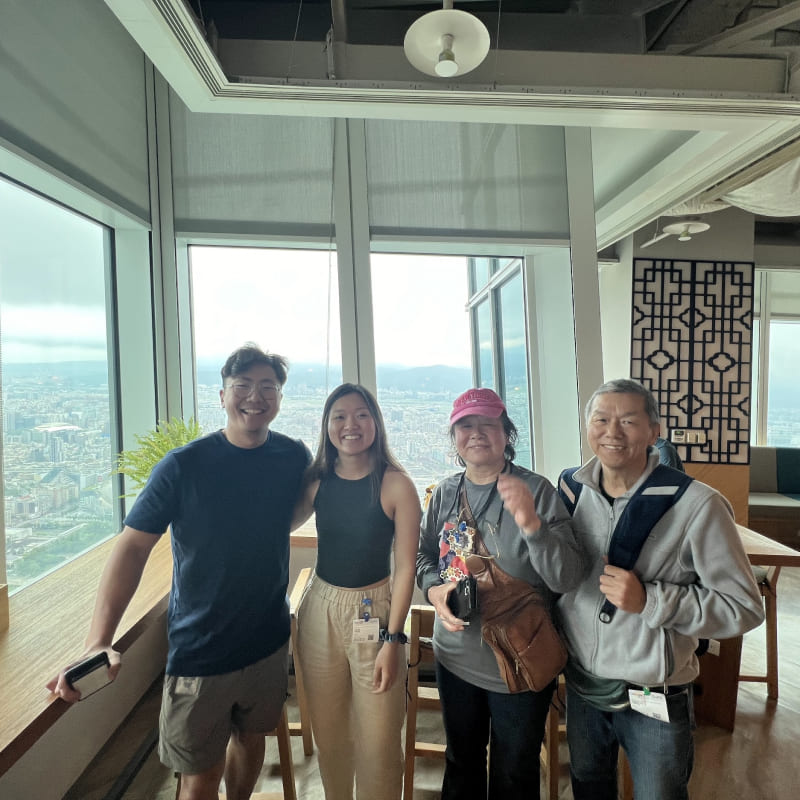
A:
[500,345]
[57,445]
[422,355]
[776,349]
[286,301]
[783,408]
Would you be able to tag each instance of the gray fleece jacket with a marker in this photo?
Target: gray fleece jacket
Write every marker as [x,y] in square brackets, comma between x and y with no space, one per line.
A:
[695,572]
[548,559]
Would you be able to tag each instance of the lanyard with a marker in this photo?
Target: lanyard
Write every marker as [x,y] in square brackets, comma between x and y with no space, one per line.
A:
[465,514]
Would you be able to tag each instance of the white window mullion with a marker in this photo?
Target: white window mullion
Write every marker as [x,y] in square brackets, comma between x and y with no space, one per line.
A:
[352,243]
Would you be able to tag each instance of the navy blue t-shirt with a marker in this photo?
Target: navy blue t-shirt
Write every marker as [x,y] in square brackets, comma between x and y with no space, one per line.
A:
[230,509]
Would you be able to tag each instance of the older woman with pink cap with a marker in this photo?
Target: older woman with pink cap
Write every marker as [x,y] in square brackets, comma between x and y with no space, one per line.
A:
[496,510]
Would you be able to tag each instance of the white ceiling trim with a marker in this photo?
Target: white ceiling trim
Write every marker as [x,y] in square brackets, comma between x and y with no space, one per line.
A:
[167,33]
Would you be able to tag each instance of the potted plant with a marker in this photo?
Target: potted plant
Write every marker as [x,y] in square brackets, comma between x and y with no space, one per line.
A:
[137,463]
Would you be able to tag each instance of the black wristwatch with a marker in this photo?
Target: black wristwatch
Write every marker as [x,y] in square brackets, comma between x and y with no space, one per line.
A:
[385,636]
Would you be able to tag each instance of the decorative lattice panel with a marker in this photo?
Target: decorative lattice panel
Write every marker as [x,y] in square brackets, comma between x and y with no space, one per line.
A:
[691,341]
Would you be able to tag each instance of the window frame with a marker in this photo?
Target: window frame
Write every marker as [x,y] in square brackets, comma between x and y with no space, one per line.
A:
[490,293]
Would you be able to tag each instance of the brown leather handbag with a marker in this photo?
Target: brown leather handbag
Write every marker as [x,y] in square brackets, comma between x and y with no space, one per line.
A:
[516,624]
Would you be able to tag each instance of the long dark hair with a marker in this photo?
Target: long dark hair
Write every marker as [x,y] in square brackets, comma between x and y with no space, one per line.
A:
[381,457]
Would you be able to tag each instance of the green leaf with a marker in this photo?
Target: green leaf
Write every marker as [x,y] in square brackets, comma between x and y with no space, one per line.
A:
[137,464]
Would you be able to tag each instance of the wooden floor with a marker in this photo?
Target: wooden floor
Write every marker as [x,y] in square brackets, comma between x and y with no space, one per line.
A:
[760,760]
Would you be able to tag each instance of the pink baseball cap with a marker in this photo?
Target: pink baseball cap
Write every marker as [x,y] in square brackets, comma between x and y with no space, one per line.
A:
[484,402]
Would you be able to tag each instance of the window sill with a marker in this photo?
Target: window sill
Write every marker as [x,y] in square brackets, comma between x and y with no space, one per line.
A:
[48,622]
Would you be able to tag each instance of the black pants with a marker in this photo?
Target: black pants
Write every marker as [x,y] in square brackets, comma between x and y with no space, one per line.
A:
[513,723]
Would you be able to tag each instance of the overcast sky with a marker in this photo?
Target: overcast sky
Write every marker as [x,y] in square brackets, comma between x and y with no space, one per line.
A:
[52,283]
[52,296]
[279,299]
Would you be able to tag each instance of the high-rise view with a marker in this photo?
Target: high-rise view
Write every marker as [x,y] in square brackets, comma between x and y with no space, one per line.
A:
[421,329]
[57,448]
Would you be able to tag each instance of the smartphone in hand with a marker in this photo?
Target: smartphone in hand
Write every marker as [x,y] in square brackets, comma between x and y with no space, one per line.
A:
[90,675]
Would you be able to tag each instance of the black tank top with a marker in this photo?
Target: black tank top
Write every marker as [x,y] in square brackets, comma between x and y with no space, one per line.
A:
[354,535]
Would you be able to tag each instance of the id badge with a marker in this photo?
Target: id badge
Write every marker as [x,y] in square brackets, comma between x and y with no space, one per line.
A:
[651,704]
[366,630]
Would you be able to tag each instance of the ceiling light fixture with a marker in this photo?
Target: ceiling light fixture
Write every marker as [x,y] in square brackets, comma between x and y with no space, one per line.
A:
[685,230]
[446,43]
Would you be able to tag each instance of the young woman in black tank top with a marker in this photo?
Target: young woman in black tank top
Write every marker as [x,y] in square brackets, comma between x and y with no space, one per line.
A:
[351,617]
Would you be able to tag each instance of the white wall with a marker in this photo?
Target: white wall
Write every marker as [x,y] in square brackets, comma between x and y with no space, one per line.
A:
[730,238]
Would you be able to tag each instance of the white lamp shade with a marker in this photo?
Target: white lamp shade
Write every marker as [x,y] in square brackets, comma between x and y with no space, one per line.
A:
[686,229]
[423,41]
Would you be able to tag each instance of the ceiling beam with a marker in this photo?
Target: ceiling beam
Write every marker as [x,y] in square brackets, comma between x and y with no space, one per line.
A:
[753,172]
[747,31]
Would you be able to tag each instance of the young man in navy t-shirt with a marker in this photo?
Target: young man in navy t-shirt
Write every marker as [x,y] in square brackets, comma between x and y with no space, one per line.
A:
[228,498]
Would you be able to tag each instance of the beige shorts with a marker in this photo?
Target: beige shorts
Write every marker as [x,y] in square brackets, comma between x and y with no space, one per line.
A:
[199,714]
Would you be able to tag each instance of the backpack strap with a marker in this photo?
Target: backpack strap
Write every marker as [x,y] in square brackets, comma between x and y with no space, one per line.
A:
[662,489]
[569,489]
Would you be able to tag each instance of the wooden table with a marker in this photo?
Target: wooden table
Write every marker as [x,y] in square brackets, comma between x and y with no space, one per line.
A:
[304,537]
[719,674]
[767,552]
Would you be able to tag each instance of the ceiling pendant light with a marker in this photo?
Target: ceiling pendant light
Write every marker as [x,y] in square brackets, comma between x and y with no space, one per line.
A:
[685,229]
[446,43]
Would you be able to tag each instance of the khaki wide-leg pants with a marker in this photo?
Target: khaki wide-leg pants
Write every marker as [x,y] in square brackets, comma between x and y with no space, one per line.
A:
[358,732]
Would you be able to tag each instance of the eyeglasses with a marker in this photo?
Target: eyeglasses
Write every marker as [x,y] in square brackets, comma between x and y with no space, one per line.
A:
[265,389]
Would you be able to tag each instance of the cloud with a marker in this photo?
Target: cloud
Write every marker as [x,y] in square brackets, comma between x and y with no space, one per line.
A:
[53,333]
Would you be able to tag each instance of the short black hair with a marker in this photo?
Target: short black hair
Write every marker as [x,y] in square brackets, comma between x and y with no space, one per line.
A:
[249,355]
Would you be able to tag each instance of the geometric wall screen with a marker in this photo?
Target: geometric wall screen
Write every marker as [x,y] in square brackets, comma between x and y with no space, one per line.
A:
[692,345]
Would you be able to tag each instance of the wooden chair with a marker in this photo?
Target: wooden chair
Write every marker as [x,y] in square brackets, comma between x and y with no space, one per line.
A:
[555,730]
[303,727]
[283,734]
[419,697]
[286,765]
[424,697]
[767,579]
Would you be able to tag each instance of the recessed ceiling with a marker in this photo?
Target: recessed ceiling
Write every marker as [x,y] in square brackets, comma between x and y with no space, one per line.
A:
[679,94]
